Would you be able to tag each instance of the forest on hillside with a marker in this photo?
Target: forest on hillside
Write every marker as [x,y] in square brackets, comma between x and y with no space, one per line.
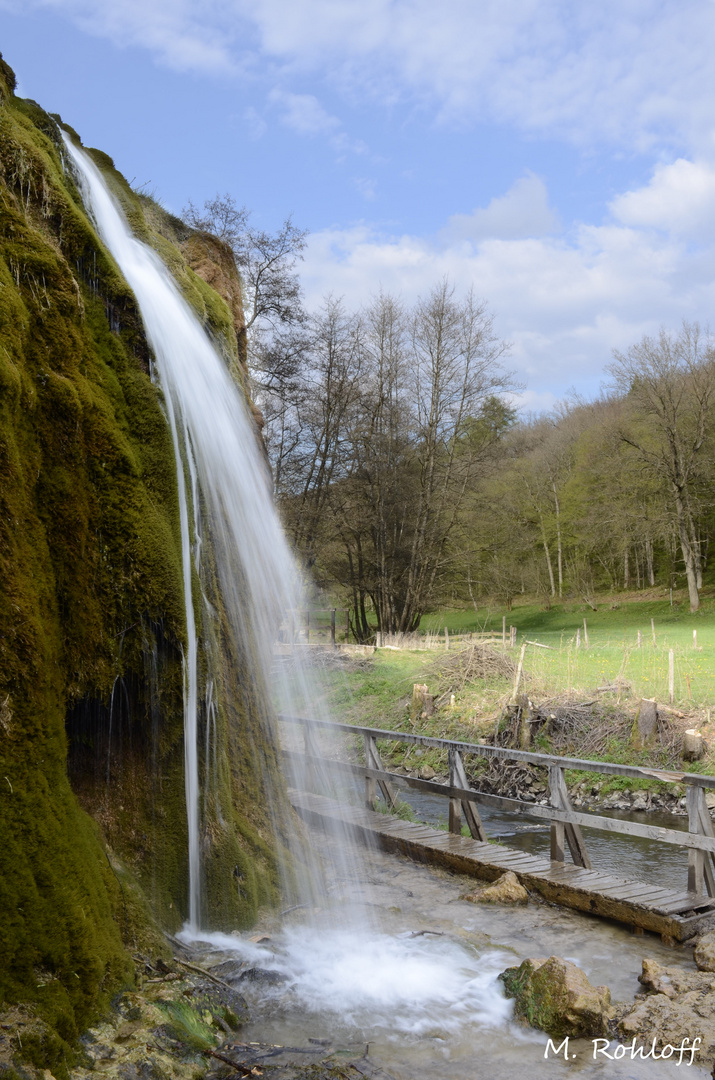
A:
[406,478]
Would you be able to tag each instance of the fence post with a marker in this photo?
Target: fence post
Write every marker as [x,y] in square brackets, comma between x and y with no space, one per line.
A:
[347,625]
[652,629]
[671,676]
[701,877]
[585,635]
[458,778]
[503,631]
[446,638]
[332,627]
[559,798]
[639,639]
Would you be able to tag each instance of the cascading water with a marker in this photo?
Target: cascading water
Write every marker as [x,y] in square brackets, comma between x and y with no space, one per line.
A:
[219,466]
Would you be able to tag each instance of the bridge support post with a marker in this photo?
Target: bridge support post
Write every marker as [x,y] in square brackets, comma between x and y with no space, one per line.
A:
[374,761]
[457,807]
[560,831]
[701,877]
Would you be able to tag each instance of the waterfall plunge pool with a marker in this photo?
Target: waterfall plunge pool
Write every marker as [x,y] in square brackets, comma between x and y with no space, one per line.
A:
[418,982]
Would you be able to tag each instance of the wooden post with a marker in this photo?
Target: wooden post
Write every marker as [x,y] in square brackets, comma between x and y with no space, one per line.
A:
[671,676]
[374,761]
[512,636]
[578,637]
[639,639]
[332,627]
[458,778]
[370,784]
[311,751]
[701,877]
[519,670]
[695,639]
[557,827]
[559,798]
[652,629]
[455,806]
[446,638]
[347,625]
[585,635]
[503,631]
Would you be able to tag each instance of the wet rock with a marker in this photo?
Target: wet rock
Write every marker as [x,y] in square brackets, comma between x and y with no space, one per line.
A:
[555,996]
[640,802]
[704,954]
[507,889]
[680,1005]
[265,976]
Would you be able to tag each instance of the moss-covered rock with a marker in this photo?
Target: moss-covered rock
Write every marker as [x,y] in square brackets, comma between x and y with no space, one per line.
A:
[92,621]
[555,996]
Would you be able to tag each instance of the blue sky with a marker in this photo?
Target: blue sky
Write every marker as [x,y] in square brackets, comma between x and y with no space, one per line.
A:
[558,157]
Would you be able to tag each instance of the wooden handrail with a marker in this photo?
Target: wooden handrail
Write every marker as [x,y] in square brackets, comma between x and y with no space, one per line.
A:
[499,802]
[505,753]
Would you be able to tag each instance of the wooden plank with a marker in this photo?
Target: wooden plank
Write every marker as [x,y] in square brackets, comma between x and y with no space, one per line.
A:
[568,885]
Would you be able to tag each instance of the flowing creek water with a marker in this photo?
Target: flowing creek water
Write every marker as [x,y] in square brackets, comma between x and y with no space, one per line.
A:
[422,989]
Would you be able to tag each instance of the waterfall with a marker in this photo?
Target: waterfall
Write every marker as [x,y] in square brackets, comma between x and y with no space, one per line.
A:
[218,463]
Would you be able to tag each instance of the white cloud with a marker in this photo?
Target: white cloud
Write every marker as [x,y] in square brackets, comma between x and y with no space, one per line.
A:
[523,211]
[635,73]
[564,303]
[304,114]
[366,187]
[680,199]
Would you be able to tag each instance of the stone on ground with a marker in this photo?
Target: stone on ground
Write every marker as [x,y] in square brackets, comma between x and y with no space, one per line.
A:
[507,889]
[555,996]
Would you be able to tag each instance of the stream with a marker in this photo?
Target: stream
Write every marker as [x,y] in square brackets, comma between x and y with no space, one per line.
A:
[417,978]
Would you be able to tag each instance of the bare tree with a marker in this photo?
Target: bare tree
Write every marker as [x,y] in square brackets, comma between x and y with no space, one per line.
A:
[272,298]
[669,388]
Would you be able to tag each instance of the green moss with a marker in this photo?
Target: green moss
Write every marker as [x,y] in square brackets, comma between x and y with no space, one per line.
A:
[92,619]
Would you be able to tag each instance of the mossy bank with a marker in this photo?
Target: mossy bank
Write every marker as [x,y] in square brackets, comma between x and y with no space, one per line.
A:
[92,623]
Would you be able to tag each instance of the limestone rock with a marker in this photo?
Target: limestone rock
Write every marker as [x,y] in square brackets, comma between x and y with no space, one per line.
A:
[507,889]
[555,996]
[681,1006]
[704,954]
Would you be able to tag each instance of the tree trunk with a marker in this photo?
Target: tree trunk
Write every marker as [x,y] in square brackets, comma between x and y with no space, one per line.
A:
[688,554]
[558,540]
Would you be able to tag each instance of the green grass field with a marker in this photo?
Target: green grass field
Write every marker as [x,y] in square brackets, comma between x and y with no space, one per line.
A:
[613,654]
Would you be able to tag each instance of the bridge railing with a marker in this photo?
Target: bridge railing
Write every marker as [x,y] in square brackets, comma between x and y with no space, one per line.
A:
[566,822]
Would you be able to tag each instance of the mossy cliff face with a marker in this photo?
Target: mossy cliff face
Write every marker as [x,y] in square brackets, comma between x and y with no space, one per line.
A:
[91,600]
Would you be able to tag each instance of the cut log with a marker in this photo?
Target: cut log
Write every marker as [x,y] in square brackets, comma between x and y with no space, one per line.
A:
[692,745]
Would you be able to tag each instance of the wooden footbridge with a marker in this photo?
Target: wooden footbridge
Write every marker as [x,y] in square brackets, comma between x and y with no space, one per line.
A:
[677,912]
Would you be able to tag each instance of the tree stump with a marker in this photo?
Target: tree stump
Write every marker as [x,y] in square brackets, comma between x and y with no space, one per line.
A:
[693,747]
[422,701]
[645,729]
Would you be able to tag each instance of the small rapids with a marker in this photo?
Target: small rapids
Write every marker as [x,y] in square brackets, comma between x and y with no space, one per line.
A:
[372,983]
